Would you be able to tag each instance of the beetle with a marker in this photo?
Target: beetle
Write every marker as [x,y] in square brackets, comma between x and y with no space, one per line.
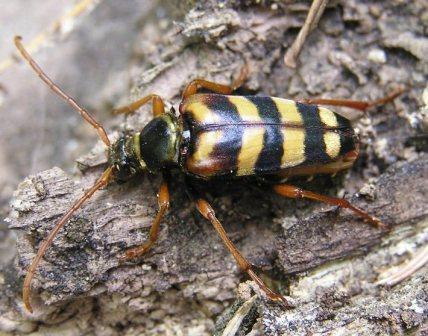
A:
[220,135]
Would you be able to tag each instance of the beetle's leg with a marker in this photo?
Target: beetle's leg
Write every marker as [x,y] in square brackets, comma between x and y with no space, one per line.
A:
[290,191]
[354,104]
[199,83]
[163,201]
[205,209]
[158,106]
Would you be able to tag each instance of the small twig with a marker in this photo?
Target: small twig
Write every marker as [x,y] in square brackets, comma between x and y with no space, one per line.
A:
[418,261]
[236,321]
[81,7]
[314,15]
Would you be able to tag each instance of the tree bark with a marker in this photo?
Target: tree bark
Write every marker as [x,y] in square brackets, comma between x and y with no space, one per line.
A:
[325,259]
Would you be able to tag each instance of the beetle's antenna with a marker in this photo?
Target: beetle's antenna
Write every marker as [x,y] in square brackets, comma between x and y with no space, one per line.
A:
[55,88]
[102,181]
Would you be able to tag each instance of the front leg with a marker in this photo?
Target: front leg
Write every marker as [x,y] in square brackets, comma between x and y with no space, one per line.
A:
[158,106]
[163,201]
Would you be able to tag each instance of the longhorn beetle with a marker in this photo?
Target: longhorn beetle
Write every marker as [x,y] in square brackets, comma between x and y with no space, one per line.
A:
[222,135]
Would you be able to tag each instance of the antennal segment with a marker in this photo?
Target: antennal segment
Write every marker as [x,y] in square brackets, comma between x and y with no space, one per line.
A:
[55,88]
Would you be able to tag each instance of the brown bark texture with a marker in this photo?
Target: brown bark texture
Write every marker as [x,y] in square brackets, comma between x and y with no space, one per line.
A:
[326,260]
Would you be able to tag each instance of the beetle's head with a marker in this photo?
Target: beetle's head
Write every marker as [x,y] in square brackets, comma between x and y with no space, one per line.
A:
[152,149]
[124,159]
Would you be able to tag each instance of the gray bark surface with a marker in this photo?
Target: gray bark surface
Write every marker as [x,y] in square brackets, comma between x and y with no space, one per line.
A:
[326,260]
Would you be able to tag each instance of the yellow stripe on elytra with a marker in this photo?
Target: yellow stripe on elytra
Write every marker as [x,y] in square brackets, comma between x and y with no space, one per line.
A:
[205,145]
[328,117]
[252,145]
[332,144]
[288,111]
[137,150]
[201,112]
[247,110]
[294,147]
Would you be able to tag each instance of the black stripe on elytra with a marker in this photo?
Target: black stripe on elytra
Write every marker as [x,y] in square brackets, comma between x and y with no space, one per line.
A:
[192,130]
[228,147]
[342,122]
[269,159]
[315,151]
[348,141]
[347,135]
[222,107]
[187,146]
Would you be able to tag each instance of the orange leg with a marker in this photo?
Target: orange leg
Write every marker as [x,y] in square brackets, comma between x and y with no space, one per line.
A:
[163,201]
[205,209]
[295,192]
[354,104]
[199,83]
[158,106]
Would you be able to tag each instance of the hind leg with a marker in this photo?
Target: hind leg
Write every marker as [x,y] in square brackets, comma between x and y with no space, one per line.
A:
[207,211]
[354,104]
[290,191]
